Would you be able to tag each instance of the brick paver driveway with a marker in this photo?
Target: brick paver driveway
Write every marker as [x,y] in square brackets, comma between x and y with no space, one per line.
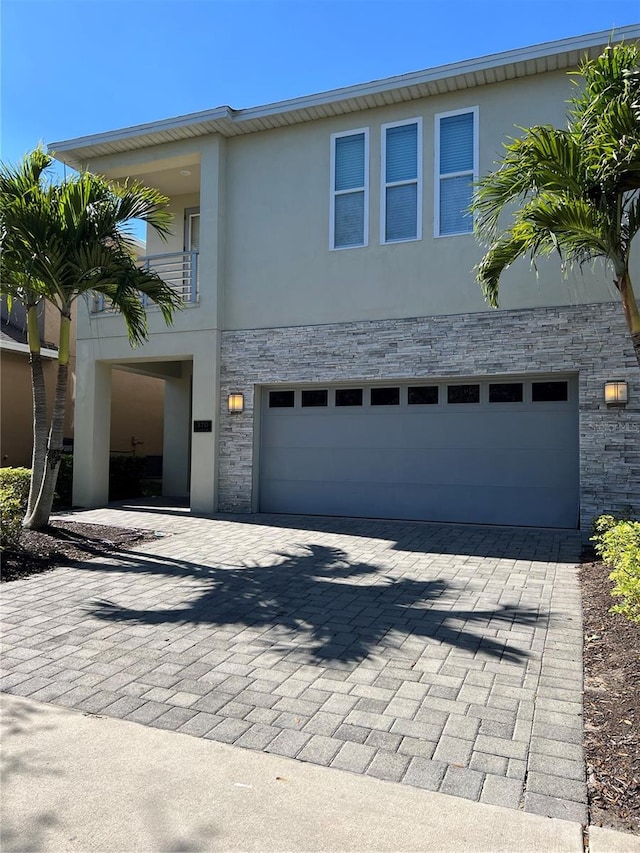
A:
[442,656]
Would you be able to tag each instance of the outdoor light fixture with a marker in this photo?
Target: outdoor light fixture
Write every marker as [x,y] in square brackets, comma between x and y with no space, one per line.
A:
[616,393]
[236,402]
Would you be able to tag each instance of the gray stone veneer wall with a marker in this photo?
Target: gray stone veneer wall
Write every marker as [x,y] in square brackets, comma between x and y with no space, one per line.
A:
[590,340]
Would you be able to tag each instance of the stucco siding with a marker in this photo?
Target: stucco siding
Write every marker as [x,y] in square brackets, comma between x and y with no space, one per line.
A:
[588,340]
[279,269]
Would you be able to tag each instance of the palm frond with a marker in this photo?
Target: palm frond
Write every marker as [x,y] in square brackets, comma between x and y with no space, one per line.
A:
[71,238]
[573,191]
[543,159]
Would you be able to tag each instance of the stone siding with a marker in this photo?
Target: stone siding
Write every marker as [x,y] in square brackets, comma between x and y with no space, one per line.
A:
[590,340]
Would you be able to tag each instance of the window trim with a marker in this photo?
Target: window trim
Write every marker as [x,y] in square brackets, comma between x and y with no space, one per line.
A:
[333,192]
[384,184]
[438,176]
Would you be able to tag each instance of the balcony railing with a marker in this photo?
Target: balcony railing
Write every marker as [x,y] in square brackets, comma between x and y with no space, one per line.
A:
[177,269]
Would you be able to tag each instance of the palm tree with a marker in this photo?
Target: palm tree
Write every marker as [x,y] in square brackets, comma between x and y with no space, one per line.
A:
[575,191]
[60,242]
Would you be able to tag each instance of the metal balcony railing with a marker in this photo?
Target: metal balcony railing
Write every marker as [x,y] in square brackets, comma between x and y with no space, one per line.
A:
[178,269]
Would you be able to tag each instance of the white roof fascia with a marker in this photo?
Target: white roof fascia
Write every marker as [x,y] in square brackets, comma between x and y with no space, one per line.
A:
[16,346]
[223,117]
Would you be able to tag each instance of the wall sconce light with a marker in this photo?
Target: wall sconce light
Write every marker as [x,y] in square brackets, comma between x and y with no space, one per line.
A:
[616,393]
[236,402]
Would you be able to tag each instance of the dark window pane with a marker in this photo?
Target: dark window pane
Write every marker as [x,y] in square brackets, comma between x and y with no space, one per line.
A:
[463,393]
[549,392]
[281,399]
[385,396]
[315,398]
[505,392]
[423,395]
[349,397]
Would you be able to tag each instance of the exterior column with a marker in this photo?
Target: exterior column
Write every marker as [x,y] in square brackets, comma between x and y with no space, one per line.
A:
[206,359]
[177,428]
[92,431]
[206,392]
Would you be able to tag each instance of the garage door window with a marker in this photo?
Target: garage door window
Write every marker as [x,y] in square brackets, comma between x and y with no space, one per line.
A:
[423,395]
[315,398]
[463,393]
[505,392]
[349,397]
[281,399]
[385,396]
[549,392]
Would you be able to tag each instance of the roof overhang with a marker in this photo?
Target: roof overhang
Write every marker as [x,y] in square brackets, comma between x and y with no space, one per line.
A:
[16,346]
[496,68]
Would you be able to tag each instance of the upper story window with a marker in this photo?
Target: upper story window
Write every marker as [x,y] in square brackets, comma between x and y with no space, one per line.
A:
[349,217]
[456,155]
[401,181]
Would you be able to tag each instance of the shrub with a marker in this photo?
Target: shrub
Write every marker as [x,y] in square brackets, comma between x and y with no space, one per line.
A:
[16,481]
[11,514]
[14,493]
[618,543]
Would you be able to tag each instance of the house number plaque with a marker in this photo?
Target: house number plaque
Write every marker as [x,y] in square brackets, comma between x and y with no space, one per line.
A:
[202,426]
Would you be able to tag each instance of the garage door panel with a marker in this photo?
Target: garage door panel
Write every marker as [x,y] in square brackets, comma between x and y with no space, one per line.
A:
[428,466]
[489,464]
[474,430]
[476,505]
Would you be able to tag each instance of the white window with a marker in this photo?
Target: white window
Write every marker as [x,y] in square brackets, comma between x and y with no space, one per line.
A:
[401,181]
[349,216]
[456,155]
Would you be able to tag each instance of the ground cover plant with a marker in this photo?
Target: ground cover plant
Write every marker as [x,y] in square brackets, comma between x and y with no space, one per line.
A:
[618,543]
[611,611]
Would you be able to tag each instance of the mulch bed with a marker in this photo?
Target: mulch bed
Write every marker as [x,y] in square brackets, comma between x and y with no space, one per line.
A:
[611,705]
[65,543]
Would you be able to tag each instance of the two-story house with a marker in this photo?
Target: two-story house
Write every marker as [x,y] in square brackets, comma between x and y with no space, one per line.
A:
[335,355]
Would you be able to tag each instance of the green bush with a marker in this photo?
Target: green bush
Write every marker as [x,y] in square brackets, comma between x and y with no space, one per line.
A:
[16,480]
[11,515]
[618,543]
[14,493]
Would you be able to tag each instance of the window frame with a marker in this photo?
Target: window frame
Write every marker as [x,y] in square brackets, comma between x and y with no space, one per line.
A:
[384,184]
[333,193]
[189,214]
[475,173]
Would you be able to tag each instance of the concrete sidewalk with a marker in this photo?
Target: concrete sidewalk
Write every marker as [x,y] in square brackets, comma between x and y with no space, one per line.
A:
[76,782]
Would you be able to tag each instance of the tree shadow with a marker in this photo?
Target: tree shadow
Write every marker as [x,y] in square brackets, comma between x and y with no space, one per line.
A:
[326,605]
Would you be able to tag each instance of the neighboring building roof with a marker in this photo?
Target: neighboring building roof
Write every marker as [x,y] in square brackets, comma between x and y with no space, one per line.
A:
[538,59]
[15,340]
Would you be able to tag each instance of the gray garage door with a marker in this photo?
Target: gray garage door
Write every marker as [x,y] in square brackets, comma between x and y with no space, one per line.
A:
[476,450]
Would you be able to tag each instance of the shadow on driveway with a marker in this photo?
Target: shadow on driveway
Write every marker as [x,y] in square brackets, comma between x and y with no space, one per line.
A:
[324,598]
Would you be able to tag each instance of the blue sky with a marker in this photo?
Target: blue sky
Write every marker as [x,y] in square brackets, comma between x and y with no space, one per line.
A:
[75,67]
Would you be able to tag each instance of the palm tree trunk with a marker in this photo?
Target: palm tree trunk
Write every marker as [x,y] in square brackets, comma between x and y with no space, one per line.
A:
[39,516]
[38,393]
[631,312]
